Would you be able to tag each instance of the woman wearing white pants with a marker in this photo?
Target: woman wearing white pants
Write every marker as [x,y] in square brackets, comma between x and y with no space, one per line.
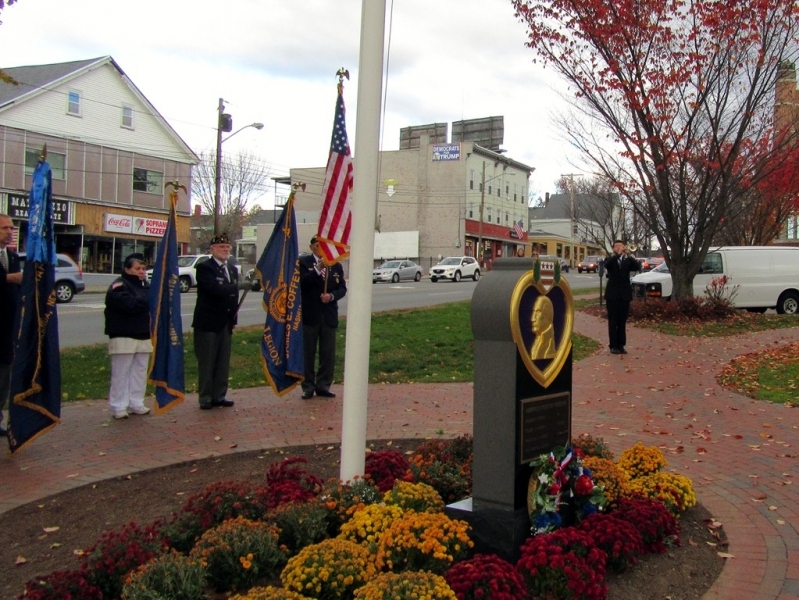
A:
[127,324]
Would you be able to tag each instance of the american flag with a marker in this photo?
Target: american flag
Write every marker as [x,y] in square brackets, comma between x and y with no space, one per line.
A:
[336,218]
[517,227]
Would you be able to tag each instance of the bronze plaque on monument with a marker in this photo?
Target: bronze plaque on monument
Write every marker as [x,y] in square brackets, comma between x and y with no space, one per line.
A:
[544,423]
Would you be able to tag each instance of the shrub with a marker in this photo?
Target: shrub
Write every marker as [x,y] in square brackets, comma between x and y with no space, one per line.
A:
[720,296]
[446,478]
[300,524]
[418,497]
[384,467]
[59,585]
[239,552]
[117,553]
[289,481]
[369,523]
[617,538]
[586,445]
[269,593]
[563,564]
[486,577]
[331,569]
[171,576]
[676,492]
[423,542]
[341,500]
[406,586]
[614,481]
[654,522]
[216,503]
[641,460]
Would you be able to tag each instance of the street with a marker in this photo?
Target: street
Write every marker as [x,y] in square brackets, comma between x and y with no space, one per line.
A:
[81,321]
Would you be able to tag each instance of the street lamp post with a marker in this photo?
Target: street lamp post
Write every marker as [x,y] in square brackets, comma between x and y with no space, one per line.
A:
[571,177]
[224,124]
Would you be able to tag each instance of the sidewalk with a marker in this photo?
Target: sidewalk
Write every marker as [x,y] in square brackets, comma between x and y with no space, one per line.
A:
[742,455]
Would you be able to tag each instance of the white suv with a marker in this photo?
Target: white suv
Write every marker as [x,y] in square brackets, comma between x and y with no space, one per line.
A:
[455,268]
[186,270]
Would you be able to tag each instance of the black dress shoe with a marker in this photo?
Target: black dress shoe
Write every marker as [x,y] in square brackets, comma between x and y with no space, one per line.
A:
[3,432]
[622,350]
[325,393]
[206,406]
[307,395]
[222,402]
[615,351]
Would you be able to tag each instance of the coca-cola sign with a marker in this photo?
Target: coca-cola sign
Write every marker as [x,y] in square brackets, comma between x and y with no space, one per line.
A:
[118,223]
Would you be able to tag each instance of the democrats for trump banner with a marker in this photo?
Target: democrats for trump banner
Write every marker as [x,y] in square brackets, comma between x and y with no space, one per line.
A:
[166,326]
[36,368]
[279,271]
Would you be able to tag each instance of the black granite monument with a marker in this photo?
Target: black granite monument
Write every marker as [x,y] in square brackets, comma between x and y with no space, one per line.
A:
[522,321]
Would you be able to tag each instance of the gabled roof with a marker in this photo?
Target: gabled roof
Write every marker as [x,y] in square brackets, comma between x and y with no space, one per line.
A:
[37,79]
[32,80]
[558,206]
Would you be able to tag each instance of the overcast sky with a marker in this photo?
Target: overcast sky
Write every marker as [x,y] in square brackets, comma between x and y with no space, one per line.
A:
[274,61]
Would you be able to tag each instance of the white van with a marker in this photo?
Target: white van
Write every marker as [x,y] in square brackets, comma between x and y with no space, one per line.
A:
[766,276]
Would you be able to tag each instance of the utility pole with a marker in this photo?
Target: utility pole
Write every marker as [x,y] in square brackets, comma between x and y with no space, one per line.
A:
[571,177]
[480,226]
[218,170]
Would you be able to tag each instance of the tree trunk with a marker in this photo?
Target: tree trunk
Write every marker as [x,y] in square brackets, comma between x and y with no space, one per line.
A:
[682,282]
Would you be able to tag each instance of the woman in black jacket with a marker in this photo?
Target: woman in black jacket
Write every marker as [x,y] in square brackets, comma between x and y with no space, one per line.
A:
[127,324]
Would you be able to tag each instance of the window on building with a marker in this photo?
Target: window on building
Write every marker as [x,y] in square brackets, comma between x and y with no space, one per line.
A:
[515,191]
[489,190]
[499,191]
[507,190]
[480,186]
[498,218]
[471,179]
[56,160]
[471,211]
[148,181]
[127,116]
[506,218]
[489,214]
[73,103]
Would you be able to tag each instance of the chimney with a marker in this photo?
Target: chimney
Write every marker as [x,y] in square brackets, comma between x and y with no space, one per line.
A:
[198,210]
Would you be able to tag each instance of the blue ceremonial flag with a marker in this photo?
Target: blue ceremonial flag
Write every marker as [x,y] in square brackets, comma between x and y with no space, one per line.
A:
[36,368]
[166,325]
[278,269]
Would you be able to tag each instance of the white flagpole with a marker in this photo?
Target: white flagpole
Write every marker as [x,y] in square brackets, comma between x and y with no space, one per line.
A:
[362,239]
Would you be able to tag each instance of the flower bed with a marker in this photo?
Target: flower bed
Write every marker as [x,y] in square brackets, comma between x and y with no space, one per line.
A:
[346,540]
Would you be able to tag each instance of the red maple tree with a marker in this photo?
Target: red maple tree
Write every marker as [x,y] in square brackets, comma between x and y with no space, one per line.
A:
[673,101]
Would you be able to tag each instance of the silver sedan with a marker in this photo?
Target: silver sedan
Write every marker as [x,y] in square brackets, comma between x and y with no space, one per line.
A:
[395,270]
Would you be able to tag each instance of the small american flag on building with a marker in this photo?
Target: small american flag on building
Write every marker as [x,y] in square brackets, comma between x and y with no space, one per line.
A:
[336,218]
[517,227]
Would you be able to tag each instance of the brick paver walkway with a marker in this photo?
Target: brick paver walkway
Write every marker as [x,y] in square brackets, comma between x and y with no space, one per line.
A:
[742,455]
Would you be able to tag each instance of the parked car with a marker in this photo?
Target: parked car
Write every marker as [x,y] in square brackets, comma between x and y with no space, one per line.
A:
[564,265]
[589,264]
[762,277]
[455,268]
[647,264]
[395,270]
[68,277]
[187,273]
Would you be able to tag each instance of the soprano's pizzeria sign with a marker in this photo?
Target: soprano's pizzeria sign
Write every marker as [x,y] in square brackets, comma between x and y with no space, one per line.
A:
[135,225]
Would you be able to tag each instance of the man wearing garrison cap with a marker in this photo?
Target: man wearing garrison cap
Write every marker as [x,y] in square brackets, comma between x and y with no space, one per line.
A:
[215,314]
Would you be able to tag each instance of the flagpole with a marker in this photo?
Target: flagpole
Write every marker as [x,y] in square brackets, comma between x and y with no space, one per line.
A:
[362,239]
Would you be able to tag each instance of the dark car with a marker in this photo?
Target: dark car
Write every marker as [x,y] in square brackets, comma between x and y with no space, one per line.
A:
[590,264]
[647,264]
[68,278]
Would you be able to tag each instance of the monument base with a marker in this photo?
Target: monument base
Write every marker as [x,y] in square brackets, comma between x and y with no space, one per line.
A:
[497,531]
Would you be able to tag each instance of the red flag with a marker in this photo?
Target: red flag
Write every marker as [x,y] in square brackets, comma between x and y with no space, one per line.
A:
[517,227]
[336,218]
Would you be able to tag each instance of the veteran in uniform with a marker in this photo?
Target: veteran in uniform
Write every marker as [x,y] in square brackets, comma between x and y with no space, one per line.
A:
[322,287]
[215,315]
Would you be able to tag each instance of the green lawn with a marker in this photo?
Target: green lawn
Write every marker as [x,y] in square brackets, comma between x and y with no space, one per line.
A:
[421,345]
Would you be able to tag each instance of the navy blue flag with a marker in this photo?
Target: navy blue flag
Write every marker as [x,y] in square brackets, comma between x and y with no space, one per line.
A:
[36,369]
[166,325]
[279,271]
